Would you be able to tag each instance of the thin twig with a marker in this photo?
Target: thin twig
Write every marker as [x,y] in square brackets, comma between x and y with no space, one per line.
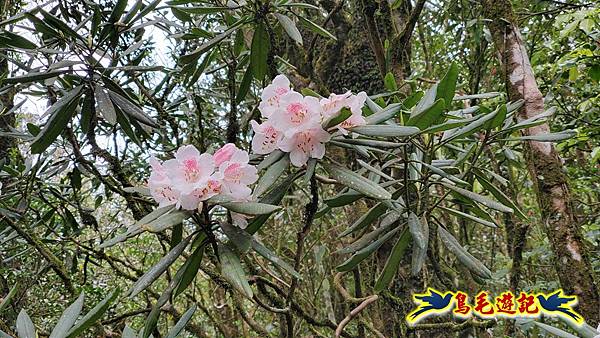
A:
[354,313]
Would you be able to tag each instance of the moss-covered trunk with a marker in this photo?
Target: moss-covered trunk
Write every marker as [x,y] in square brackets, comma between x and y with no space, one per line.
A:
[545,166]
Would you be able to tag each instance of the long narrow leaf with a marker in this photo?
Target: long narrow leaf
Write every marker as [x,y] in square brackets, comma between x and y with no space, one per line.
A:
[93,315]
[158,269]
[68,318]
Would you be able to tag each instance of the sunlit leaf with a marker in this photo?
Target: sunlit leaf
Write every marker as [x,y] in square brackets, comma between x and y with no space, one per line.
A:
[290,27]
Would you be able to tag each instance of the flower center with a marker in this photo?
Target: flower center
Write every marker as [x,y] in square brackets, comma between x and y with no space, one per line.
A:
[233,173]
[297,112]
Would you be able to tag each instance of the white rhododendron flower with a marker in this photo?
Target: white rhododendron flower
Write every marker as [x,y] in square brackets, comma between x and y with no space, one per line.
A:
[236,174]
[160,185]
[191,177]
[296,113]
[294,122]
[305,144]
[272,93]
[266,137]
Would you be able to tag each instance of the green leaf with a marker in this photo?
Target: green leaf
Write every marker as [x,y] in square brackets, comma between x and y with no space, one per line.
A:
[190,269]
[105,105]
[360,255]
[147,9]
[413,99]
[584,330]
[358,182]
[363,241]
[344,114]
[60,115]
[374,170]
[270,159]
[270,176]
[93,315]
[450,124]
[290,27]
[59,25]
[498,194]
[386,130]
[128,332]
[259,51]
[201,10]
[393,261]
[13,40]
[41,26]
[390,82]
[549,137]
[447,86]
[513,106]
[480,199]
[131,12]
[343,198]
[470,128]
[311,166]
[384,114]
[300,5]
[489,95]
[117,11]
[420,234]
[416,231]
[472,263]
[6,300]
[163,264]
[425,118]
[250,208]
[427,100]
[233,272]
[444,174]
[182,322]
[553,330]
[243,237]
[244,85]
[132,109]
[316,28]
[498,118]
[369,143]
[469,217]
[272,197]
[137,228]
[366,219]
[167,221]
[531,122]
[310,92]
[25,327]
[68,318]
[32,77]
[205,47]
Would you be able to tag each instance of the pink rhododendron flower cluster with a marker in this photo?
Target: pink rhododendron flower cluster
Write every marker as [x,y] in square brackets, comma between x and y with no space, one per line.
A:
[294,123]
[191,177]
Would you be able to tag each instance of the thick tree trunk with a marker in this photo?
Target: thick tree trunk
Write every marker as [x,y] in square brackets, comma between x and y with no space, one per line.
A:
[545,167]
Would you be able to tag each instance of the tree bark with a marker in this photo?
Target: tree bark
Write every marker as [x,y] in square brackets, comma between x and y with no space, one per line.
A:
[545,165]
